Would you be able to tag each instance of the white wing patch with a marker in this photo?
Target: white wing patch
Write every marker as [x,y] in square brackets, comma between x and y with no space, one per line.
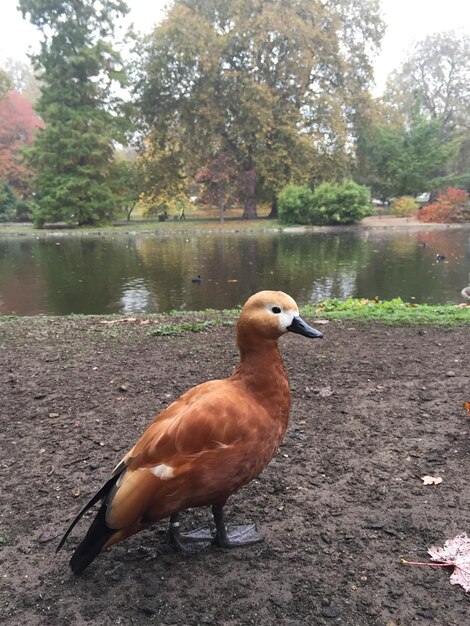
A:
[165,472]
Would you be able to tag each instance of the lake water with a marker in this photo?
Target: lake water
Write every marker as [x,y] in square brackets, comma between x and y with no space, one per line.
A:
[131,274]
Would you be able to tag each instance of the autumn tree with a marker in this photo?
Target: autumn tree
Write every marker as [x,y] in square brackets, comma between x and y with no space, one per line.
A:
[274,87]
[78,67]
[18,125]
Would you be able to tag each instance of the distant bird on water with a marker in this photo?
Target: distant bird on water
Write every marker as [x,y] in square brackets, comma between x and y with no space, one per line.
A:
[206,445]
[196,279]
[440,257]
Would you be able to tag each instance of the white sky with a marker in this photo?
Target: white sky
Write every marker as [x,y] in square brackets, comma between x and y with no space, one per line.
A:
[407,21]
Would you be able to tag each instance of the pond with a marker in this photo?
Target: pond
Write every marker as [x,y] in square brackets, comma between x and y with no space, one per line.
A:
[132,274]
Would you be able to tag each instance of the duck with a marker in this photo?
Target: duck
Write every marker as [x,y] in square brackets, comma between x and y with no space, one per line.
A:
[440,257]
[196,279]
[205,446]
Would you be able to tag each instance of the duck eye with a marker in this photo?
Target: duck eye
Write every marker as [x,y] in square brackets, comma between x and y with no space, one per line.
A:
[276,309]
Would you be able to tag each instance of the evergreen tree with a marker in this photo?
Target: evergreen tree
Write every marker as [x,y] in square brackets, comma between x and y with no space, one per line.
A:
[73,154]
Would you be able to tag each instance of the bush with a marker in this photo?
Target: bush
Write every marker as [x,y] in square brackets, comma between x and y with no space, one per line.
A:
[405,206]
[295,204]
[450,206]
[340,203]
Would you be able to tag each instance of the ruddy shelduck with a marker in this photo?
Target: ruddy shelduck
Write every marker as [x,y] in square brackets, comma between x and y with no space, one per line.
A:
[215,438]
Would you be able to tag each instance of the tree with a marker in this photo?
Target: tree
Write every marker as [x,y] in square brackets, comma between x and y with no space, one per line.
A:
[398,161]
[18,125]
[273,86]
[73,154]
[23,79]
[434,82]
[6,83]
[127,184]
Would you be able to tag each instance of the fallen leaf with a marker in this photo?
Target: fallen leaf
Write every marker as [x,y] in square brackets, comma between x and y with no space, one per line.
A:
[321,322]
[455,552]
[467,406]
[47,535]
[53,415]
[431,480]
[76,492]
[325,392]
[124,319]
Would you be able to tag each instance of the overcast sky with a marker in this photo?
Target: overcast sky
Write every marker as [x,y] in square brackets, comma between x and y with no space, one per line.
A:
[407,21]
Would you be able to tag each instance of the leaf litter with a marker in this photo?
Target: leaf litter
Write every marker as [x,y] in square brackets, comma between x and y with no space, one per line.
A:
[455,553]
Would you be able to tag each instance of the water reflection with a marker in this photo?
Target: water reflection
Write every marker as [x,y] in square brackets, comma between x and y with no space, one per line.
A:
[134,274]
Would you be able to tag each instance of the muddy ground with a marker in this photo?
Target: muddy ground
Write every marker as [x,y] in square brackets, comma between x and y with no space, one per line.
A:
[374,409]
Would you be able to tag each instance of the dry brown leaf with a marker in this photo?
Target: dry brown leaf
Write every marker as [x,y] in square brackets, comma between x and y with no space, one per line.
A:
[431,480]
[321,322]
[467,406]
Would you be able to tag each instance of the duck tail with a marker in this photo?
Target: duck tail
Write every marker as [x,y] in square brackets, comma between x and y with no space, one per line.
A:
[99,532]
[93,542]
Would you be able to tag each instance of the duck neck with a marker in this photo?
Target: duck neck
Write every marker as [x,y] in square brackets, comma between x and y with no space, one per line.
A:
[262,372]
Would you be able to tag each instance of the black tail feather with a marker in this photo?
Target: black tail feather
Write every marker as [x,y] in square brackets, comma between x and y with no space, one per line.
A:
[102,493]
[92,543]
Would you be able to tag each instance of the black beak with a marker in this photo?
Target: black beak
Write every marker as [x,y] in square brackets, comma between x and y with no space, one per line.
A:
[302,328]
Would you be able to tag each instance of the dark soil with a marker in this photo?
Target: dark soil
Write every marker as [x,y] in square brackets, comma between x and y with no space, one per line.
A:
[374,409]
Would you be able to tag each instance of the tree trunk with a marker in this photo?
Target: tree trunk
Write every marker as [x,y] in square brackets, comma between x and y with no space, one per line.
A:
[249,194]
[273,213]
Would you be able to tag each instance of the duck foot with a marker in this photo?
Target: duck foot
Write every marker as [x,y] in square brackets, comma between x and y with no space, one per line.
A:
[201,538]
[191,542]
[237,536]
[245,535]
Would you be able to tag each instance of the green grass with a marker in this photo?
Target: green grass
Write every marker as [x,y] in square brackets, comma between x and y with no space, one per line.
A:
[390,312]
[387,311]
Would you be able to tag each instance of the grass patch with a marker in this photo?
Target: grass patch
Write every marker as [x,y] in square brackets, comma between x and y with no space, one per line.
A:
[390,312]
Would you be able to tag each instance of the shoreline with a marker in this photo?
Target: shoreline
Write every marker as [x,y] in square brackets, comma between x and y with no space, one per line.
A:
[375,223]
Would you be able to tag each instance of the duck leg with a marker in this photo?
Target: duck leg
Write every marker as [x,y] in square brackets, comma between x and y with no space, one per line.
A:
[245,535]
[191,542]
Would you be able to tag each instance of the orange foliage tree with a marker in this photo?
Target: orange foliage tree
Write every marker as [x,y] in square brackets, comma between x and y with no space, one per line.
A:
[18,123]
[450,206]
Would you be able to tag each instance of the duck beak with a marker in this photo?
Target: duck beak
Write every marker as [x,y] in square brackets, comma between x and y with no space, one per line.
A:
[302,328]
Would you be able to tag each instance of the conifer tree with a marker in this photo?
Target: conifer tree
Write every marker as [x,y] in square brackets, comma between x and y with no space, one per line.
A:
[77,65]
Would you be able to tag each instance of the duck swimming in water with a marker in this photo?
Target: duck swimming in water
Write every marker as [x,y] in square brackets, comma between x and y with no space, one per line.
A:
[206,445]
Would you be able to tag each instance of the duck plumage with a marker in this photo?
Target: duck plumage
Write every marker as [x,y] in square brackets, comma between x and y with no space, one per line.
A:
[207,444]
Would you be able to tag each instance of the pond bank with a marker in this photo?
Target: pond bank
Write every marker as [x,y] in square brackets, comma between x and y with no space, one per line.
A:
[193,226]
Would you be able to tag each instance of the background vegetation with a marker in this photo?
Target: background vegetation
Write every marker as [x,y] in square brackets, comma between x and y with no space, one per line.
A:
[228,104]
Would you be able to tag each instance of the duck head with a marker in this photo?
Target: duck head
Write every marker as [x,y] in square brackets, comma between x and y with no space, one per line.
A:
[269,314]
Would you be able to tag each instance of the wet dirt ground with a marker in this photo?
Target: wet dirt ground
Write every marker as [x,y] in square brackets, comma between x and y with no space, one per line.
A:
[375,408]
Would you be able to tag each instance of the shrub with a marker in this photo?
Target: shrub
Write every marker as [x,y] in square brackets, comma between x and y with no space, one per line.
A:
[295,204]
[405,206]
[340,203]
[450,206]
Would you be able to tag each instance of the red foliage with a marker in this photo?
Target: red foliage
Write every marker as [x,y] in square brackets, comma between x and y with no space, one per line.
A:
[447,208]
[18,123]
